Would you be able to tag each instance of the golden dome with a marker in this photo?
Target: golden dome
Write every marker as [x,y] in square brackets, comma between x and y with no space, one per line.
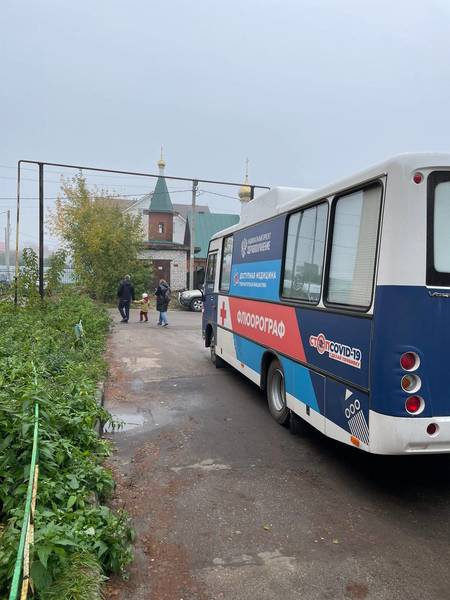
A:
[161,162]
[245,191]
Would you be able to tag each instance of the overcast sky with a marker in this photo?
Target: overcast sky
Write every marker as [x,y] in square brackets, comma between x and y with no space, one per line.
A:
[309,90]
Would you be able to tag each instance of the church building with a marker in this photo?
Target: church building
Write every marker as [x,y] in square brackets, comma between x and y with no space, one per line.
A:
[169,257]
[168,227]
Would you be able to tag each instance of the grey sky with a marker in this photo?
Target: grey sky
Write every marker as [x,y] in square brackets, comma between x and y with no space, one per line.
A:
[309,90]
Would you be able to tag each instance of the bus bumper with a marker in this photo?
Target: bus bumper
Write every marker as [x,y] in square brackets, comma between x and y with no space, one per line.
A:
[408,435]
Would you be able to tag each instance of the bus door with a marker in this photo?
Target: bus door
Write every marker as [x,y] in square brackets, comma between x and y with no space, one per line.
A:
[341,344]
[210,295]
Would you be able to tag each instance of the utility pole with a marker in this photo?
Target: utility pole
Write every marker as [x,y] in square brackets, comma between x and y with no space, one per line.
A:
[192,251]
[41,230]
[7,241]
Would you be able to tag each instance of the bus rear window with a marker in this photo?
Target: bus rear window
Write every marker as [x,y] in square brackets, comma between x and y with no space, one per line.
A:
[438,239]
[442,227]
[353,247]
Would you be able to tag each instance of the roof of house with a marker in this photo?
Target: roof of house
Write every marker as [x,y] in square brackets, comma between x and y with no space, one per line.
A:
[165,244]
[184,209]
[160,199]
[206,225]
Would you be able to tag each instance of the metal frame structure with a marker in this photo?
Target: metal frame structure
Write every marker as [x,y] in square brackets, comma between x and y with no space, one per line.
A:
[42,164]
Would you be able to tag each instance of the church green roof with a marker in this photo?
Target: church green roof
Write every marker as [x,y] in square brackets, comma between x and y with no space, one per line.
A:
[161,201]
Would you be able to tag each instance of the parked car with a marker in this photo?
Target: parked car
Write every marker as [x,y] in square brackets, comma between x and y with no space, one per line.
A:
[192,299]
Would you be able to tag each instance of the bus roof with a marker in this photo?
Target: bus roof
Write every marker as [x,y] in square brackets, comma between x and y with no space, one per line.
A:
[284,199]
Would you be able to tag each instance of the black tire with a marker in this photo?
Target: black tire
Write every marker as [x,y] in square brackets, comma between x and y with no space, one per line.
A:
[297,425]
[276,393]
[216,360]
[196,305]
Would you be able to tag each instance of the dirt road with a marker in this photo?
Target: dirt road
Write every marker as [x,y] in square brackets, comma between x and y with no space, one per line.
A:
[228,505]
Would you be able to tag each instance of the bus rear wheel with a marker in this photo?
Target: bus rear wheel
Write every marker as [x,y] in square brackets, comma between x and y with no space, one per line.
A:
[276,393]
[216,360]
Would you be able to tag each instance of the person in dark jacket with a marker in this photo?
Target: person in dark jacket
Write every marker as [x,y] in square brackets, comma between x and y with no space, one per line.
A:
[125,293]
[162,301]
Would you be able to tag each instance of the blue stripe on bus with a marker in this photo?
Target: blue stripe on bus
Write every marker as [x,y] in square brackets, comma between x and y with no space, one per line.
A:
[299,383]
[259,279]
[297,377]
[249,353]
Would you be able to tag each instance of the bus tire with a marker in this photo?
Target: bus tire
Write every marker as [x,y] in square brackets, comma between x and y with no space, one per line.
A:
[216,360]
[297,426]
[276,393]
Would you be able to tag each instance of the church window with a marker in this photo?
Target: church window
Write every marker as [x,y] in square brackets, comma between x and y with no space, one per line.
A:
[160,227]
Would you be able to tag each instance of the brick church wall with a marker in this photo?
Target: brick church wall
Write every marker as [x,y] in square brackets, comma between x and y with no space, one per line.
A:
[153,226]
[177,265]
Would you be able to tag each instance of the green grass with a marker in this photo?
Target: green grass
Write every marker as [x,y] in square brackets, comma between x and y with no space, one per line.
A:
[82,582]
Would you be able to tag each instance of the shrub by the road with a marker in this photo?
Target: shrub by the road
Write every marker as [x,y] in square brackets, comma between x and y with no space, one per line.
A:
[77,539]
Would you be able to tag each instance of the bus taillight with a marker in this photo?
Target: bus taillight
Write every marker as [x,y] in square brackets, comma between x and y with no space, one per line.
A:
[418,177]
[414,405]
[411,383]
[432,429]
[409,361]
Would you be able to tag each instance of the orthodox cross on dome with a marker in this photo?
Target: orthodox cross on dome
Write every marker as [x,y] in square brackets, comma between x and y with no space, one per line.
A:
[160,199]
[245,192]
[161,163]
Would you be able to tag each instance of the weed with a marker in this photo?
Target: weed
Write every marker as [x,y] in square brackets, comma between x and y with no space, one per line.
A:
[40,360]
[82,582]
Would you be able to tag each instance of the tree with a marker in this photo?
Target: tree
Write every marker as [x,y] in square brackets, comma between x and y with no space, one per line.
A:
[54,275]
[102,240]
[28,289]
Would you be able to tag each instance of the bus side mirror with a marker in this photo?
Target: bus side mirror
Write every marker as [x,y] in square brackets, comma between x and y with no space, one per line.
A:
[201,289]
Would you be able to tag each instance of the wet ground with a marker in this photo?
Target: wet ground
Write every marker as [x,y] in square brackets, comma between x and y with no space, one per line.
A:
[228,505]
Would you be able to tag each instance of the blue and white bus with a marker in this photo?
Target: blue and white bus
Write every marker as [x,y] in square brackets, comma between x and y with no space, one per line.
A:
[336,302]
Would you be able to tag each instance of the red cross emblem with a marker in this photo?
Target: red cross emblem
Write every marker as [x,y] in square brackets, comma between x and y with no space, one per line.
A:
[223,313]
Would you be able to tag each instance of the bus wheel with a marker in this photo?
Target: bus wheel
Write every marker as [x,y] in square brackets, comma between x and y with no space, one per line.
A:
[276,393]
[297,425]
[216,360]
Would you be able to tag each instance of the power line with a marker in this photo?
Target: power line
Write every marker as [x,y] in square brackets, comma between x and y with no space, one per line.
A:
[118,197]
[217,194]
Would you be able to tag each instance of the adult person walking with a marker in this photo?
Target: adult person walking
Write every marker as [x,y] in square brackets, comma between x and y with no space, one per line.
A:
[162,301]
[125,293]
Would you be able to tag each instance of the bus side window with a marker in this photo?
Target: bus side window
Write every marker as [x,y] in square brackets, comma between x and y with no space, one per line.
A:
[304,254]
[353,247]
[211,272]
[225,272]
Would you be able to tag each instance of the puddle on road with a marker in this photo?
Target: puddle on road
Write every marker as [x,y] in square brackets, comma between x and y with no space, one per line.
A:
[168,404]
[129,421]
[137,385]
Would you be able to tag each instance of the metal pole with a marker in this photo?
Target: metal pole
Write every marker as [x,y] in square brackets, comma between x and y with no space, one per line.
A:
[41,230]
[192,251]
[16,272]
[7,241]
[82,168]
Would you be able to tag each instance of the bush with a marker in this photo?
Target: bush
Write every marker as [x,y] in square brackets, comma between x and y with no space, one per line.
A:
[41,359]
